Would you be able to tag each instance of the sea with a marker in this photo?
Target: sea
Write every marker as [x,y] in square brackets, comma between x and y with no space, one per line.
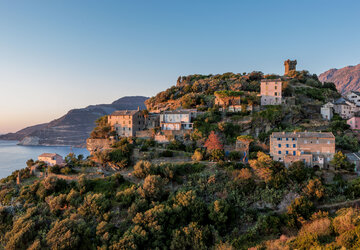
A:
[14,157]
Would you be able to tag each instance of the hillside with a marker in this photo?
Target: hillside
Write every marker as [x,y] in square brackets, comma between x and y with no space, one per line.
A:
[190,193]
[74,127]
[345,79]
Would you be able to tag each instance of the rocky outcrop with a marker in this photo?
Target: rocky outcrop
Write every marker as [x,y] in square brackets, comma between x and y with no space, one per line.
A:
[75,127]
[30,141]
[346,79]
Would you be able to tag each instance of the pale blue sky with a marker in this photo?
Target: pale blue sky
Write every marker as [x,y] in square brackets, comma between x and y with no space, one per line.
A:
[59,55]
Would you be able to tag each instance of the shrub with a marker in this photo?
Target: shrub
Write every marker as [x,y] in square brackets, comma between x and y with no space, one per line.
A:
[235,155]
[142,169]
[176,145]
[166,153]
[198,155]
[66,170]
[54,169]
[217,155]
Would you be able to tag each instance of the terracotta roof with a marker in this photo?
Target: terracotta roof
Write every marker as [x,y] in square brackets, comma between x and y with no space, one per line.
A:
[183,111]
[124,112]
[271,80]
[303,134]
[48,155]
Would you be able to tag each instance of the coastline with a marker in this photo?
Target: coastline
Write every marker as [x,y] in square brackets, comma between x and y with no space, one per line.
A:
[13,156]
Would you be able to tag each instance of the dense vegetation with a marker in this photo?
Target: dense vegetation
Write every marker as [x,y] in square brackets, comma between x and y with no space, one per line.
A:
[194,193]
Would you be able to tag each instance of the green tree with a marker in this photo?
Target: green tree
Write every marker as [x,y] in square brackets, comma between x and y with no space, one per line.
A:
[63,235]
[340,161]
[300,210]
[142,169]
[153,187]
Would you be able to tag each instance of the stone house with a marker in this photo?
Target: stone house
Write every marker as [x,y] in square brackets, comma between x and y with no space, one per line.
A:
[342,106]
[327,111]
[51,159]
[127,122]
[354,96]
[177,119]
[271,92]
[230,103]
[354,121]
[313,148]
[345,108]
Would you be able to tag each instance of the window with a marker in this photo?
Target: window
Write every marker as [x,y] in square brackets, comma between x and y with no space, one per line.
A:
[328,142]
[287,152]
[294,153]
[317,141]
[279,152]
[279,139]
[287,145]
[294,145]
[287,139]
[305,141]
[279,145]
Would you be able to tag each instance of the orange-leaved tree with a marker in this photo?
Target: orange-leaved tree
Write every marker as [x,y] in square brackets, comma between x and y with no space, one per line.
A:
[213,142]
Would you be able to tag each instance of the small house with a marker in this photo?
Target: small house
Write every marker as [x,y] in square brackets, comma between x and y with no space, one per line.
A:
[51,159]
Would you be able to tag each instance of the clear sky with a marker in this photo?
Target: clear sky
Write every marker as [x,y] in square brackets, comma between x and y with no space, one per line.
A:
[56,55]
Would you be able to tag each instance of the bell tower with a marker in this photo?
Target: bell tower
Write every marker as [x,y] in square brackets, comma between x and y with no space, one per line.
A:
[289,65]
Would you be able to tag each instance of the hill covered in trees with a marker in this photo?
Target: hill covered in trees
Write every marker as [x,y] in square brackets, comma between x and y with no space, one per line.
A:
[196,193]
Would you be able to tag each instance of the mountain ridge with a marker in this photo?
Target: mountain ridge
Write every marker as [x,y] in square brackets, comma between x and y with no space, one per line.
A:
[346,79]
[73,128]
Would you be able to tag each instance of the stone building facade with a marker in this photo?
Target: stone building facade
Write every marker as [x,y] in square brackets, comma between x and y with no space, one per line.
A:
[177,119]
[313,148]
[127,122]
[289,65]
[271,92]
[354,96]
[327,111]
[229,103]
[51,159]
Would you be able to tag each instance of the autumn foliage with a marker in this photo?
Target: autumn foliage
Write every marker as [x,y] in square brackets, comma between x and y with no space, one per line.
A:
[213,142]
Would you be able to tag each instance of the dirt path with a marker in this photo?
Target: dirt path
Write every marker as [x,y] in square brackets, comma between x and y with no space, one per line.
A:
[340,204]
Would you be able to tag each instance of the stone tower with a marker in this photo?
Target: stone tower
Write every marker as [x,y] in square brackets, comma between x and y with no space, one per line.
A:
[18,178]
[289,65]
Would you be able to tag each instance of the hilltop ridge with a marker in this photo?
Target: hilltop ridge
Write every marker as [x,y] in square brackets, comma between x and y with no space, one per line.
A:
[346,79]
[74,127]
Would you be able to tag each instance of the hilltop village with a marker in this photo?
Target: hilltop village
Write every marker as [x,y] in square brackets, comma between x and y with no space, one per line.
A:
[227,161]
[237,110]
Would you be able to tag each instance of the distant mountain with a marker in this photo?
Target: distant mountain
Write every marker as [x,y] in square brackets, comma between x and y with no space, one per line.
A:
[74,127]
[345,79]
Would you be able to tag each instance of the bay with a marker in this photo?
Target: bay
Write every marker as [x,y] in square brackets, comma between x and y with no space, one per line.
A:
[14,157]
